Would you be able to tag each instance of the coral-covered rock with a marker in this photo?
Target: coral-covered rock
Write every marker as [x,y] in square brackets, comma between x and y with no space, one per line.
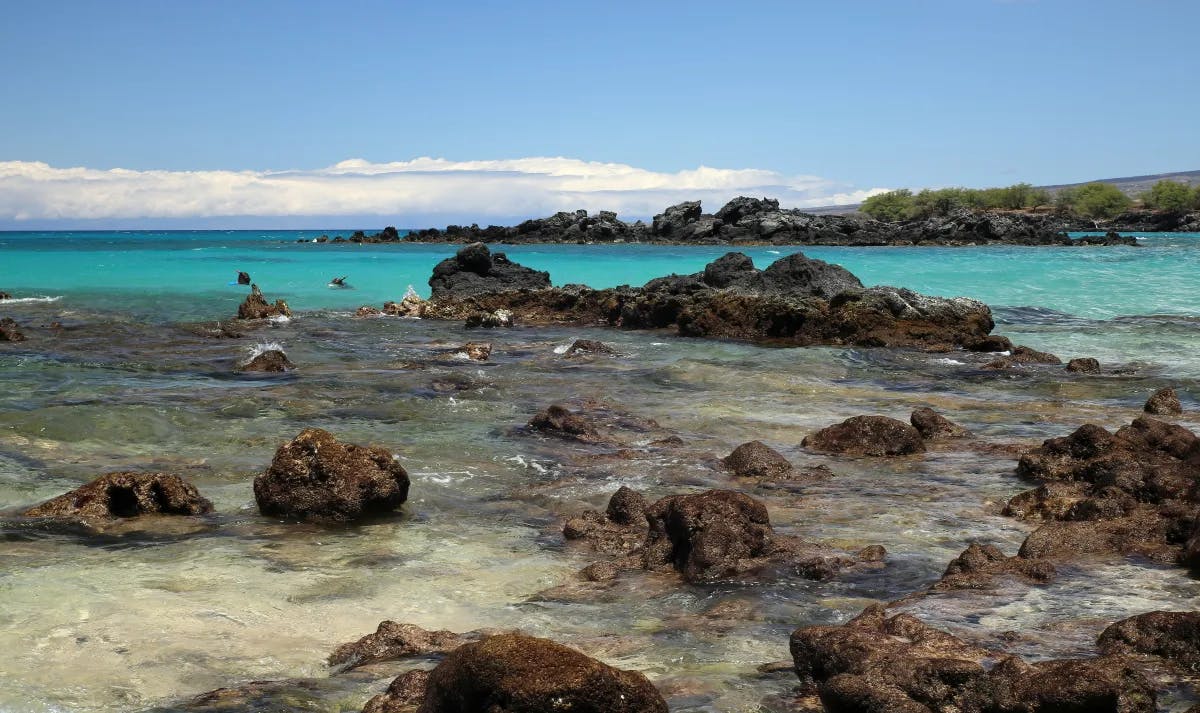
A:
[393,641]
[126,494]
[317,478]
[1163,402]
[518,673]
[256,306]
[933,426]
[867,436]
[1174,636]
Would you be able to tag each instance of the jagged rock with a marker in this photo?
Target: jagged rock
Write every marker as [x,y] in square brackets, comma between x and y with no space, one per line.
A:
[490,320]
[708,536]
[902,665]
[1163,402]
[559,421]
[933,426]
[410,306]
[620,529]
[271,360]
[367,311]
[756,460]
[475,270]
[125,495]
[317,478]
[9,331]
[1174,636]
[514,672]
[256,306]
[1021,354]
[403,695]
[475,351]
[1085,365]
[867,436]
[588,346]
[393,641]
[989,343]
[979,565]
[674,220]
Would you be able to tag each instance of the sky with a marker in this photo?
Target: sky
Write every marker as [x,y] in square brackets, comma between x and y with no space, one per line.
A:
[291,113]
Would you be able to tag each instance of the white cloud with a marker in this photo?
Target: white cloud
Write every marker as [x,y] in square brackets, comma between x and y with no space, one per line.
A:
[474,190]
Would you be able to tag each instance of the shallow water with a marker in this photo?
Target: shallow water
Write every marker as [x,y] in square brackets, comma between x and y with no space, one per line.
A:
[130,621]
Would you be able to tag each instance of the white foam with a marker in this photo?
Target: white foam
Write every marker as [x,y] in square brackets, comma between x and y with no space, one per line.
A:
[410,292]
[262,348]
[953,362]
[29,300]
[279,319]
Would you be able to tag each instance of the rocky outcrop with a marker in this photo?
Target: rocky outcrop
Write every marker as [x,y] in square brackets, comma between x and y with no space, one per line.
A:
[867,436]
[474,270]
[709,536]
[475,351]
[1084,365]
[900,664]
[979,565]
[588,347]
[514,672]
[558,420]
[1164,402]
[270,361]
[620,529]
[393,641]
[256,306]
[1174,636]
[126,495]
[757,460]
[403,695]
[598,422]
[796,301]
[10,331]
[316,478]
[933,426]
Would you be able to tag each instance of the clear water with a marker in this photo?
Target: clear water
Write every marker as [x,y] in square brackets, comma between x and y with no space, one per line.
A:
[132,621]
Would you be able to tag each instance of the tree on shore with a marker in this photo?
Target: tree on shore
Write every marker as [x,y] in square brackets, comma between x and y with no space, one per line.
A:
[1171,196]
[1097,201]
[902,204]
[891,206]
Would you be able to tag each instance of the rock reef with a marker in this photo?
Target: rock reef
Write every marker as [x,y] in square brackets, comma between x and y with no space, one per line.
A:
[126,495]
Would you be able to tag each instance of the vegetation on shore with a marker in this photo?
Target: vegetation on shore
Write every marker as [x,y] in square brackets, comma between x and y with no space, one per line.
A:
[1091,200]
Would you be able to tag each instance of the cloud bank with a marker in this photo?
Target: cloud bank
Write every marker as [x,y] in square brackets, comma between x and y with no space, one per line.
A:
[404,193]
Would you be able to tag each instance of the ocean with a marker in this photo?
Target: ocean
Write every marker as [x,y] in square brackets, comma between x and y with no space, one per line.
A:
[143,620]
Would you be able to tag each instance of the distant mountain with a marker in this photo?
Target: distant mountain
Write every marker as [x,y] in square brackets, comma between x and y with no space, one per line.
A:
[1130,185]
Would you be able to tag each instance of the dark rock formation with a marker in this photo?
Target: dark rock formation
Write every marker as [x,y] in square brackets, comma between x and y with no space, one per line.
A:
[933,426]
[271,360]
[256,306]
[795,301]
[518,673]
[875,663]
[867,436]
[1021,354]
[403,695]
[1163,402]
[243,278]
[9,331]
[588,347]
[126,494]
[1174,636]
[393,641]
[317,478]
[1085,365]
[979,565]
[4,295]
[618,530]
[474,270]
[709,536]
[557,420]
[991,343]
[756,460]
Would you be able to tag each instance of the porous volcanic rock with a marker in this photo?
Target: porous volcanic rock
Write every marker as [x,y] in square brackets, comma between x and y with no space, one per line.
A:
[558,420]
[125,495]
[256,306]
[756,459]
[867,436]
[518,673]
[475,270]
[584,347]
[270,360]
[10,331]
[1174,636]
[621,528]
[393,641]
[403,695]
[1164,402]
[1084,365]
[708,536]
[317,478]
[979,565]
[475,351]
[933,426]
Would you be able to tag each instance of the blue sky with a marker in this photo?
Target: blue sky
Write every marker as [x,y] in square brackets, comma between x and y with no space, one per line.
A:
[860,94]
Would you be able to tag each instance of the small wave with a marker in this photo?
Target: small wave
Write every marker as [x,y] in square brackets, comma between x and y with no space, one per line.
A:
[562,348]
[261,348]
[951,362]
[29,300]
[279,319]
[410,292]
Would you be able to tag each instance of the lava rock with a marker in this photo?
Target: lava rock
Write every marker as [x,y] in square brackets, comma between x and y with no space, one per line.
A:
[1085,365]
[271,360]
[933,426]
[1163,402]
[588,346]
[757,460]
[979,565]
[708,536]
[403,695]
[867,436]
[126,495]
[10,331]
[317,478]
[393,641]
[475,270]
[475,351]
[557,420]
[618,530]
[1174,636]
[256,306]
[514,672]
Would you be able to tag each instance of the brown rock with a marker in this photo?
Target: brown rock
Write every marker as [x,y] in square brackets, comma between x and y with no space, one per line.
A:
[256,306]
[756,460]
[979,565]
[867,436]
[393,641]
[1086,365]
[619,530]
[1163,402]
[317,478]
[934,426]
[1174,636]
[9,331]
[403,695]
[523,674]
[271,360]
[588,346]
[367,311]
[557,420]
[126,494]
[990,343]
[709,536]
[476,351]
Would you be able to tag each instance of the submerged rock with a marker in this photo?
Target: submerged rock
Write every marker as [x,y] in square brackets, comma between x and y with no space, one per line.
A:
[1174,636]
[757,460]
[933,426]
[588,347]
[1163,402]
[125,495]
[979,565]
[256,306]
[10,331]
[867,436]
[876,663]
[475,270]
[393,641]
[403,695]
[315,477]
[514,672]
[1085,365]
[620,529]
[475,351]
[558,420]
[270,360]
